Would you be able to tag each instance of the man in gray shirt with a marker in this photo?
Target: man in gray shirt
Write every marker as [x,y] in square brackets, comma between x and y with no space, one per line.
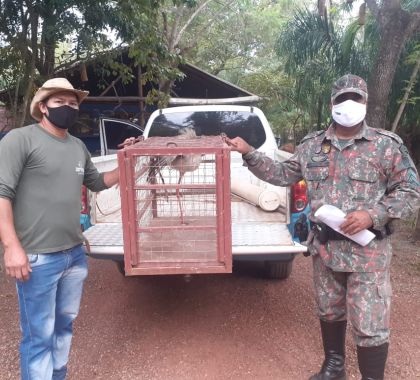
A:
[42,170]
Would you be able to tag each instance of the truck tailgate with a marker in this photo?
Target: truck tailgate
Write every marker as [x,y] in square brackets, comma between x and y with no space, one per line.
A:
[254,231]
[256,238]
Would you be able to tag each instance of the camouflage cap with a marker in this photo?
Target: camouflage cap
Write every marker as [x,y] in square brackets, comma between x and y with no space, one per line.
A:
[349,83]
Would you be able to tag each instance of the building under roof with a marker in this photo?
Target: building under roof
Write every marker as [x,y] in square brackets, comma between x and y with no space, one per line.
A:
[109,93]
[110,96]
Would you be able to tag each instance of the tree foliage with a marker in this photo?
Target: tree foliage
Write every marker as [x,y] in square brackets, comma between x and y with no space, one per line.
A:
[318,47]
[398,22]
[239,48]
[30,32]
[310,50]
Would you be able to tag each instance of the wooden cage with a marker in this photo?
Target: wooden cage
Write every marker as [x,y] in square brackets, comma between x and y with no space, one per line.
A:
[175,205]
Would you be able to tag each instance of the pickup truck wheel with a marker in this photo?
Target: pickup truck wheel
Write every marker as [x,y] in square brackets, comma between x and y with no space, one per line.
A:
[279,270]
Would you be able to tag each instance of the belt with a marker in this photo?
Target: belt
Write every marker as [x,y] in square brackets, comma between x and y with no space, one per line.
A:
[326,233]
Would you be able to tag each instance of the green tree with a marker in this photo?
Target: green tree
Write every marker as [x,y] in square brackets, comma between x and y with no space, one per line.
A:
[398,21]
[30,32]
[310,49]
[242,39]
[156,34]
[240,49]
[317,47]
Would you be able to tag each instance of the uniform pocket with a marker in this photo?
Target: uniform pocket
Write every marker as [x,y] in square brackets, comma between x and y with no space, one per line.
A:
[363,177]
[362,170]
[315,176]
[316,173]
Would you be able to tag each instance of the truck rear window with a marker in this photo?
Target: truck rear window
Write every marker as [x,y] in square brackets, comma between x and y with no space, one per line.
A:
[210,123]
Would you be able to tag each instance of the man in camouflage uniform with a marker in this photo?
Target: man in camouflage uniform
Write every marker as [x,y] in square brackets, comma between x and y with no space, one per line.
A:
[368,174]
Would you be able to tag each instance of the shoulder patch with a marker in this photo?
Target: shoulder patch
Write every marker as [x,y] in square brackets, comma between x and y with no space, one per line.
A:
[312,135]
[390,134]
[412,177]
[406,159]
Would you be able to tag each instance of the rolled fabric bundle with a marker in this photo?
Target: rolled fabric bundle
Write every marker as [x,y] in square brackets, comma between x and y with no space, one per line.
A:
[268,200]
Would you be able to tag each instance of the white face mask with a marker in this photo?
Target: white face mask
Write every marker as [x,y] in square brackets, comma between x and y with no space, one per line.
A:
[349,113]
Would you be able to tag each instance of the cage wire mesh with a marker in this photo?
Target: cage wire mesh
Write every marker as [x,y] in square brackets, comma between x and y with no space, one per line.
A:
[177,201]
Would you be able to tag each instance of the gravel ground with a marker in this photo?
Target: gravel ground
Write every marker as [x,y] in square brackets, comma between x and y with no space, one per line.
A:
[214,327]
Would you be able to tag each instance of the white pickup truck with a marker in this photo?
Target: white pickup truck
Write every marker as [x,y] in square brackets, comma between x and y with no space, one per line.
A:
[257,235]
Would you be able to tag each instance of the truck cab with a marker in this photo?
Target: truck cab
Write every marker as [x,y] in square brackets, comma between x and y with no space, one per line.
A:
[102,135]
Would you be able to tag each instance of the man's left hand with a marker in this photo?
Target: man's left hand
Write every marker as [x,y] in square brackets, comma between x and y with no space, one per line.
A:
[355,222]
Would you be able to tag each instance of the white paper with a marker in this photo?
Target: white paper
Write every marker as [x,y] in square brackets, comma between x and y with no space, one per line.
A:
[334,218]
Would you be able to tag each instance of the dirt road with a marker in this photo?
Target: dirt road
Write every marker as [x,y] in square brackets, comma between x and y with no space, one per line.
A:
[215,327]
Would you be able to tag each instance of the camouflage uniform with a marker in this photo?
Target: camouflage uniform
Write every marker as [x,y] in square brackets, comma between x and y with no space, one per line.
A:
[372,172]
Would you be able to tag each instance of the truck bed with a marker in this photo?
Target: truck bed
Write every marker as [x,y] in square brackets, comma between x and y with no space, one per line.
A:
[254,231]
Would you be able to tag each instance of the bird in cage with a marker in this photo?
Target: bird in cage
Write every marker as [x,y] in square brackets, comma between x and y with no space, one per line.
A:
[181,163]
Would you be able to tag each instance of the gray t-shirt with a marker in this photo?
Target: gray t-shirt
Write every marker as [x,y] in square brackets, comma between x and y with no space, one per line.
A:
[43,175]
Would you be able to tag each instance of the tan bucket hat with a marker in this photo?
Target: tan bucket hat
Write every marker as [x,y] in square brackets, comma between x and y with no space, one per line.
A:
[50,87]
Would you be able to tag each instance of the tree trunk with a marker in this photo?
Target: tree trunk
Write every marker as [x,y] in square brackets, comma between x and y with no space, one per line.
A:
[29,80]
[321,8]
[46,62]
[394,24]
[165,85]
[49,63]
[140,94]
[320,107]
[408,89]
[15,108]
[30,59]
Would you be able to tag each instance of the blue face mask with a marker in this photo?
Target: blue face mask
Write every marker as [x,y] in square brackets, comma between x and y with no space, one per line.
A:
[62,117]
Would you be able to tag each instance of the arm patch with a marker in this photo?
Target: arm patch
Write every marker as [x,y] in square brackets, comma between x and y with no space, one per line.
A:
[412,178]
[406,159]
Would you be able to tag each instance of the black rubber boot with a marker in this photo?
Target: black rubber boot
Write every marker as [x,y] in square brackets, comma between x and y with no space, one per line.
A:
[372,361]
[334,341]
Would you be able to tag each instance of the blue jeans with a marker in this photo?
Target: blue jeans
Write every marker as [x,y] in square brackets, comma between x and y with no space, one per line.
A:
[48,303]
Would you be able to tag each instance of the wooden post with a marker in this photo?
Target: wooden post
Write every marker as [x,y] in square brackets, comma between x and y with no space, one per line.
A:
[83,72]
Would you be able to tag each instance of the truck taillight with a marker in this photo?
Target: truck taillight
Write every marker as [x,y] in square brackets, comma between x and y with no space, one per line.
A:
[299,196]
[84,204]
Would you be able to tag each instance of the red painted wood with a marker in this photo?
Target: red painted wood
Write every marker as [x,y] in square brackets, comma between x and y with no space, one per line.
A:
[167,234]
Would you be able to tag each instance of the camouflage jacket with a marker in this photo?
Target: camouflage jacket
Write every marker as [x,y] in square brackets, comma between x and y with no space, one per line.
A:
[372,172]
